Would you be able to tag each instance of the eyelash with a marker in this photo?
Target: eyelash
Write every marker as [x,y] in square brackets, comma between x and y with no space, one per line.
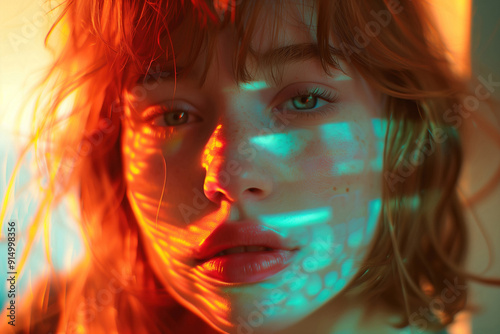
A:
[159,110]
[332,98]
[316,92]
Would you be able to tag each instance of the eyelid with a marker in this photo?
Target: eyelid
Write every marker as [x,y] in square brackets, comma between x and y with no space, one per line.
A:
[302,89]
[303,116]
[158,109]
[154,114]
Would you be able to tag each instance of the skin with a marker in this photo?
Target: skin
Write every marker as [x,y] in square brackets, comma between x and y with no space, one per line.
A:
[315,180]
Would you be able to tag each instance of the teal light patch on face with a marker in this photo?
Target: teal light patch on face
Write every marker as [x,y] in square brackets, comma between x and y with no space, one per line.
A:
[254,85]
[297,299]
[268,285]
[377,163]
[352,167]
[298,282]
[279,144]
[336,250]
[355,239]
[339,285]
[346,267]
[297,218]
[379,130]
[323,296]
[277,297]
[314,285]
[340,132]
[379,127]
[323,247]
[374,207]
[331,278]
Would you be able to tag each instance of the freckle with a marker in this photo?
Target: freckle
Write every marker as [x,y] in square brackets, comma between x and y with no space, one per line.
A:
[335,188]
[347,189]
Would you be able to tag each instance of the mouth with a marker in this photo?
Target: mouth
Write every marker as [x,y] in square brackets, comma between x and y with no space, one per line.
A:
[246,264]
[243,252]
[244,249]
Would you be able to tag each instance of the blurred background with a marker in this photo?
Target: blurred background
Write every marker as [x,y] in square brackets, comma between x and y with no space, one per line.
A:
[472,32]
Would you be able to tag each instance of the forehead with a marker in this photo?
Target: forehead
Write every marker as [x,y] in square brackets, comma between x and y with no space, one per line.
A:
[246,43]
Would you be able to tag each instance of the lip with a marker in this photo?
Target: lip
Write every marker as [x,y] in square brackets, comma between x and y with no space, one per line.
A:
[246,267]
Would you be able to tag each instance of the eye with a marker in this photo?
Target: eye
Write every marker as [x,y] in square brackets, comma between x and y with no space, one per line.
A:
[164,116]
[309,102]
[305,101]
[310,98]
[176,118]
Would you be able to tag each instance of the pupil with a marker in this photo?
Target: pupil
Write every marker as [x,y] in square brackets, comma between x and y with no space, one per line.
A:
[305,102]
[176,118]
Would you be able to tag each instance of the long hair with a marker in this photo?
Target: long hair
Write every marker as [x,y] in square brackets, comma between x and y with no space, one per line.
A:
[421,238]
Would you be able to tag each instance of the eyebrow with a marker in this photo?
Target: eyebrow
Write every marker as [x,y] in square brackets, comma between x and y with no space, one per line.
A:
[274,58]
[294,53]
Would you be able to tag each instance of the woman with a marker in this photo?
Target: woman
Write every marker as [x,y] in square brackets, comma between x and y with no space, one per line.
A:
[256,167]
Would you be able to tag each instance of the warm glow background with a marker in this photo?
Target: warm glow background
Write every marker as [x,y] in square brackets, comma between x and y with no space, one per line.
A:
[24,23]
[454,20]
[23,60]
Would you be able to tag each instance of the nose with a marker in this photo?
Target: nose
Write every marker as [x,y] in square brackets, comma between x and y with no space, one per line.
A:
[231,175]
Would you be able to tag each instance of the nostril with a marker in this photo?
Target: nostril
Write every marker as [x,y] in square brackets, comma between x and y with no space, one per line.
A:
[213,195]
[217,196]
[254,190]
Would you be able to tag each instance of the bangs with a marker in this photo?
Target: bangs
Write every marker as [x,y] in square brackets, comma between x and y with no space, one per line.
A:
[171,37]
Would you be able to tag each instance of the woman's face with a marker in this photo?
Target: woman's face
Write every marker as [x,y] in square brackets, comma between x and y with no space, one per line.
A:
[299,160]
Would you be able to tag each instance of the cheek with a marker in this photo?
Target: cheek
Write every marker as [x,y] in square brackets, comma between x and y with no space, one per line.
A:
[328,151]
[321,163]
[144,166]
[336,164]
[145,171]
[148,190]
[340,174]
[162,180]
